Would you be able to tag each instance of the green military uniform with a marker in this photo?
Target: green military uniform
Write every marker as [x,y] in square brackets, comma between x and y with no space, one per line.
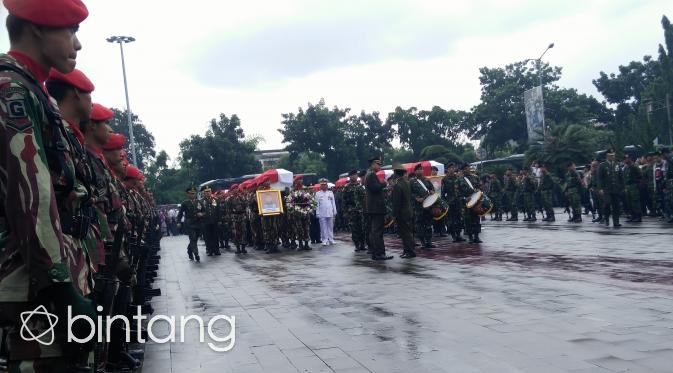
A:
[255,221]
[42,257]
[495,193]
[451,194]
[471,219]
[209,209]
[511,192]
[528,188]
[546,188]
[237,204]
[609,183]
[572,192]
[300,206]
[192,227]
[420,189]
[223,221]
[633,178]
[353,195]
[403,213]
[270,226]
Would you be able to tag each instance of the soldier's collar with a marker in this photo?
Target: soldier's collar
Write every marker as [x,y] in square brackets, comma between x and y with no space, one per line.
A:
[39,73]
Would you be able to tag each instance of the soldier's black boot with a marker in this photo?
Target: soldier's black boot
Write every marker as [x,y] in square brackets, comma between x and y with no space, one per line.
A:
[597,219]
[197,258]
[637,219]
[533,217]
[238,249]
[578,219]
[408,254]
[476,239]
[306,246]
[526,217]
[273,249]
[551,218]
[226,244]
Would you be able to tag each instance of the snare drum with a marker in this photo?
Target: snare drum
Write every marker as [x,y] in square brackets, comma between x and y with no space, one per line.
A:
[480,203]
[438,207]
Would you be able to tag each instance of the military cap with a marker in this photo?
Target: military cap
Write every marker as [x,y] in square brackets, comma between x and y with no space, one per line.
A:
[353,173]
[376,158]
[434,168]
[50,13]
[100,113]
[323,181]
[206,189]
[450,164]
[132,172]
[116,141]
[610,151]
[76,79]
[466,166]
[362,173]
[191,189]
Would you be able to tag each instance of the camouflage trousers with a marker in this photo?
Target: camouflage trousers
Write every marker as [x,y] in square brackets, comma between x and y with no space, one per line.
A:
[547,202]
[472,221]
[225,230]
[610,205]
[454,218]
[300,225]
[238,229]
[512,207]
[356,224]
[574,201]
[256,230]
[423,221]
[633,205]
[497,200]
[529,202]
[270,229]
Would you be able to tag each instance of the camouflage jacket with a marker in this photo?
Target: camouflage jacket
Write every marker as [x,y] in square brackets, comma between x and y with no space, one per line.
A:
[420,188]
[188,210]
[546,183]
[632,175]
[609,177]
[353,196]
[36,168]
[450,186]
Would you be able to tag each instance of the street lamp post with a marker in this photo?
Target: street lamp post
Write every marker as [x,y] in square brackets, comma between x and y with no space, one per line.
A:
[121,40]
[538,64]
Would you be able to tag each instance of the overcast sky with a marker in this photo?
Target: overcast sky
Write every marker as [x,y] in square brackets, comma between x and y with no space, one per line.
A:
[258,59]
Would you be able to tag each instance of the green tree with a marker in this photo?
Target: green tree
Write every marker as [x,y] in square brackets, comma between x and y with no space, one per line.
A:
[143,138]
[500,118]
[419,129]
[440,154]
[223,152]
[304,163]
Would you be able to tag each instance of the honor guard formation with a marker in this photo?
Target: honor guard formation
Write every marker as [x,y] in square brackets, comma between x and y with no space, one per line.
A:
[78,230]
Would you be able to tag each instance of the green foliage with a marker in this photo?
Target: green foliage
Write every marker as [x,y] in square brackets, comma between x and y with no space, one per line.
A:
[419,129]
[143,138]
[568,143]
[223,152]
[304,163]
[342,141]
[440,154]
[398,155]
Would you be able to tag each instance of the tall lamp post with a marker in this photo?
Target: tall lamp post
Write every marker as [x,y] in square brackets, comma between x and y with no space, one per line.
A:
[538,64]
[121,40]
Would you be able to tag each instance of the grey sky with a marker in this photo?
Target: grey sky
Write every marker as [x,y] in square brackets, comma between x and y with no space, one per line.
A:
[259,59]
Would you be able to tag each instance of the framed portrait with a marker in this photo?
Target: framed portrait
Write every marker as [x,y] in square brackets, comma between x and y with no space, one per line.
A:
[269,202]
[436,182]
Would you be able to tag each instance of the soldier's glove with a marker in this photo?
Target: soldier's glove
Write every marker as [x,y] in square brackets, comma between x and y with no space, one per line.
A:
[64,295]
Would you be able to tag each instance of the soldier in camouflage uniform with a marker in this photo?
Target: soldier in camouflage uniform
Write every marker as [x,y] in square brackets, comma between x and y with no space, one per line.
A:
[353,195]
[609,188]
[572,193]
[511,189]
[471,219]
[421,188]
[269,225]
[190,209]
[450,193]
[223,220]
[546,188]
[632,183]
[528,187]
[40,263]
[300,206]
[236,209]
[495,192]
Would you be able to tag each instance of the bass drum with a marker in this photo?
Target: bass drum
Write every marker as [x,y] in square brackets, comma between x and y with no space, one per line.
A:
[480,203]
[438,207]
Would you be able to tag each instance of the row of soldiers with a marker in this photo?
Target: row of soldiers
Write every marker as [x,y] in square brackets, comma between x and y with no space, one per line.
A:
[235,217]
[78,229]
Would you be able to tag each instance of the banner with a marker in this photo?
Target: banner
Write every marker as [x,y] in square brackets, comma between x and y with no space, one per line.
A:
[532,99]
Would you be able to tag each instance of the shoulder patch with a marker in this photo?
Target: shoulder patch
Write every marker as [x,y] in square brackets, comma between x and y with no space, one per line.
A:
[14,101]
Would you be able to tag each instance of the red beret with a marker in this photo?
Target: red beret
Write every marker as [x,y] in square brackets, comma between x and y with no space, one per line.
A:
[132,172]
[50,13]
[75,78]
[100,113]
[116,141]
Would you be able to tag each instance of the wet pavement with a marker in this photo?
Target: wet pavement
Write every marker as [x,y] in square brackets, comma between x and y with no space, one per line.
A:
[534,297]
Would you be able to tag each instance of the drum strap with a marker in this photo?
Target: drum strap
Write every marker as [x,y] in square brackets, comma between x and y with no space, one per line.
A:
[423,185]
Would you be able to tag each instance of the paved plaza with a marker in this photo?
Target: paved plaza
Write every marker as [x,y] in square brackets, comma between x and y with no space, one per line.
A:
[534,297]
